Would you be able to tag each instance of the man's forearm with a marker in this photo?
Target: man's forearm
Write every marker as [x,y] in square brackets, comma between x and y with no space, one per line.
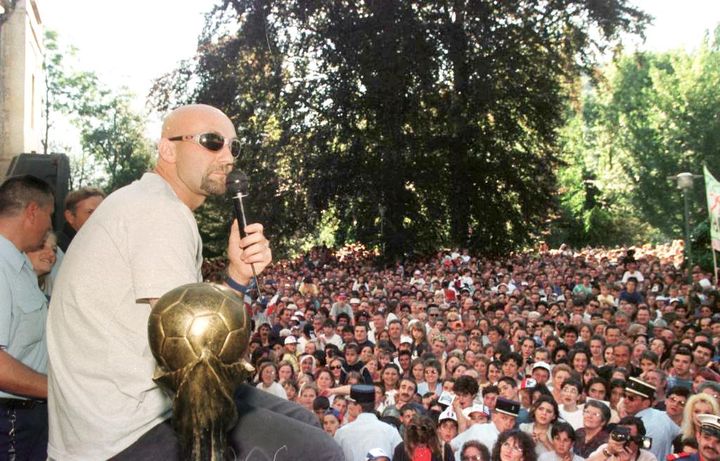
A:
[17,378]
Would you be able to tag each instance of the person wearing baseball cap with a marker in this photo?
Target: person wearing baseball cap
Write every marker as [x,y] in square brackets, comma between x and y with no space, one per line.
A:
[367,432]
[639,398]
[447,428]
[502,419]
[377,454]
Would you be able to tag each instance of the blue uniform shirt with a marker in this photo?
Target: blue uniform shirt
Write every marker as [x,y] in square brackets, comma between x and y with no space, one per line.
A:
[23,310]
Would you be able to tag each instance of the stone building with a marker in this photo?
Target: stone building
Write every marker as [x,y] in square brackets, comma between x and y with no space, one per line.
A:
[22,80]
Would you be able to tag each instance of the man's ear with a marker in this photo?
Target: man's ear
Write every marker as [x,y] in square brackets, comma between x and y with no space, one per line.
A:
[30,212]
[69,217]
[167,151]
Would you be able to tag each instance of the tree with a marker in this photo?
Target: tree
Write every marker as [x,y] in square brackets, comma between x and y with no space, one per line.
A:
[651,116]
[442,113]
[115,149]
[68,92]
[114,136]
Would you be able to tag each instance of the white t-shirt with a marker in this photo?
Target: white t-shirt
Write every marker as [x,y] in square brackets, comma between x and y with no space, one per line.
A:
[140,243]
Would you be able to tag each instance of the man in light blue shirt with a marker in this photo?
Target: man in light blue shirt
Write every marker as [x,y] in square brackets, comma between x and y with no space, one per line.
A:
[367,431]
[26,207]
[639,398]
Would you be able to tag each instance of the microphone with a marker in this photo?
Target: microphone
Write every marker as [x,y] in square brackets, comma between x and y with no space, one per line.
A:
[237,185]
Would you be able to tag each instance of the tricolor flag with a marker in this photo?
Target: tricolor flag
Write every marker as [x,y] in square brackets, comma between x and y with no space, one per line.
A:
[712,187]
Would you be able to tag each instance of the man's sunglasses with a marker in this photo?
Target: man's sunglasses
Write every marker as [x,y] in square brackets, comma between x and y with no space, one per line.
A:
[212,141]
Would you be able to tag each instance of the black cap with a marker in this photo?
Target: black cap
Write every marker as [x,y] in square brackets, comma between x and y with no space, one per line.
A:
[641,388]
[362,393]
[321,403]
[508,407]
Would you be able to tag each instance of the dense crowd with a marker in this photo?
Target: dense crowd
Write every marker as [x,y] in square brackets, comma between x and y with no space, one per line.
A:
[563,354]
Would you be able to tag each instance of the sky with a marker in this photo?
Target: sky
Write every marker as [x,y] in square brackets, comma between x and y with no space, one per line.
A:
[132,42]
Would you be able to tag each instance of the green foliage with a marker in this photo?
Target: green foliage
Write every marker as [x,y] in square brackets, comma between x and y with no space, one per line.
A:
[115,150]
[114,136]
[650,117]
[443,114]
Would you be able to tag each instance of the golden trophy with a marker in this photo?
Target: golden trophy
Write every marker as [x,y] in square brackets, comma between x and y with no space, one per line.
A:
[198,335]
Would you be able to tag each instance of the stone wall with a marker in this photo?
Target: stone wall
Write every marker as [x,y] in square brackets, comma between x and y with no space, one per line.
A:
[22,83]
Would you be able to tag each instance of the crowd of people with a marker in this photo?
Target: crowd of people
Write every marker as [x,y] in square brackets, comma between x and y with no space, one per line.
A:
[551,352]
[557,355]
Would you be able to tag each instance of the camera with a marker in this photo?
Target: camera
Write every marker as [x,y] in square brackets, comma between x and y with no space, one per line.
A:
[622,434]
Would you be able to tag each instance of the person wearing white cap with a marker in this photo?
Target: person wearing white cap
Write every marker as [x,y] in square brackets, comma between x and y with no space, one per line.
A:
[377,454]
[447,428]
[541,372]
[289,352]
[709,439]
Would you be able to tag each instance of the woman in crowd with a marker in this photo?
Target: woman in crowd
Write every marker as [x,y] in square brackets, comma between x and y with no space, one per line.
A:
[306,396]
[390,379]
[597,350]
[285,372]
[307,365]
[420,442]
[697,404]
[419,336]
[659,347]
[337,370]
[481,366]
[585,334]
[474,451]
[43,261]
[432,379]
[596,416]
[563,439]
[291,389]
[372,367]
[324,381]
[417,370]
[543,413]
[579,359]
[267,380]
[514,445]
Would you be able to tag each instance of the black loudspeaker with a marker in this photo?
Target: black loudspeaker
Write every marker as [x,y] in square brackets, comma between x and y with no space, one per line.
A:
[53,169]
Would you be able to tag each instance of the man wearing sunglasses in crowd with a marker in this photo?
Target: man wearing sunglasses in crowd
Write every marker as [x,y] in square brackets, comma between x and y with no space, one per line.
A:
[140,243]
[639,398]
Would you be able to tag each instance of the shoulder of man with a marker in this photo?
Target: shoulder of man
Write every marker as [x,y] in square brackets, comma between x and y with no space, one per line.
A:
[683,456]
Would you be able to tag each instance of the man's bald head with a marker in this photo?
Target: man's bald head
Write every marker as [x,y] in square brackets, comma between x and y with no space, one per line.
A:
[193,170]
[185,117]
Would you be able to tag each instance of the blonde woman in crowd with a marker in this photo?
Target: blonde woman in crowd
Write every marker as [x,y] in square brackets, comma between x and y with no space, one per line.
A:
[697,404]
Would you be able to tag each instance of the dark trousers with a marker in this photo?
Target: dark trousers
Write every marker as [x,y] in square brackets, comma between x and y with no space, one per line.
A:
[30,438]
[269,429]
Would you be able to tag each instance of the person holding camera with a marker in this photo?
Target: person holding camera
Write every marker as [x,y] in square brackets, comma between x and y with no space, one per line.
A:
[639,398]
[627,442]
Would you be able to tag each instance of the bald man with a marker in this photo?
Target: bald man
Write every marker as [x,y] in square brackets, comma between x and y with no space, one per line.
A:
[142,242]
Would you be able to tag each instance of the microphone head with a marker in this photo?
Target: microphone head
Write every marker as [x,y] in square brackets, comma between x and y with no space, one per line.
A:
[237,183]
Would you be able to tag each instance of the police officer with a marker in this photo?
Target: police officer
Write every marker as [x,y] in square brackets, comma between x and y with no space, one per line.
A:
[709,441]
[639,398]
[502,419]
[26,207]
[367,431]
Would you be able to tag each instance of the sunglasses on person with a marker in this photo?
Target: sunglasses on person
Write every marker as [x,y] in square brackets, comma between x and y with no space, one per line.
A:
[213,142]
